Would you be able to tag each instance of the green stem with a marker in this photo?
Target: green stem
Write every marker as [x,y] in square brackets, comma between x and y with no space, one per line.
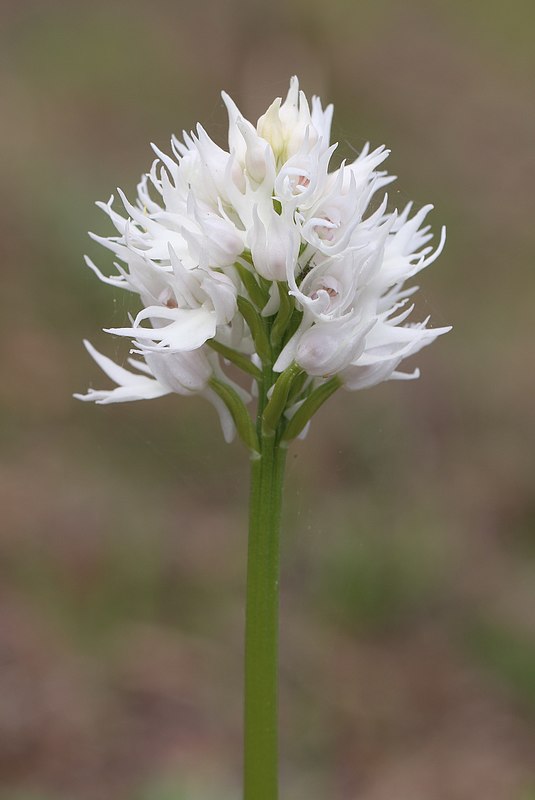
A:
[262,623]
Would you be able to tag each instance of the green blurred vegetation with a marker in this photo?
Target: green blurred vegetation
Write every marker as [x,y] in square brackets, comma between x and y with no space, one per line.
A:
[510,657]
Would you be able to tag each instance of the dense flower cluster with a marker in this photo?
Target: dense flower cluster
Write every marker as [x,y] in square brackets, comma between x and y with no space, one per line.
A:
[259,255]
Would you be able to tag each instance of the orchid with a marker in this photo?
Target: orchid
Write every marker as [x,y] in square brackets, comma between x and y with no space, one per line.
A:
[263,256]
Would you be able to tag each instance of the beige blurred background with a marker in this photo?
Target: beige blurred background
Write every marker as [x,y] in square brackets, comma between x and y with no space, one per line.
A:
[408,608]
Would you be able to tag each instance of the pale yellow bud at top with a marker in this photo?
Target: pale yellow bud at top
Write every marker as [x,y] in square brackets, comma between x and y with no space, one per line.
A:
[271,129]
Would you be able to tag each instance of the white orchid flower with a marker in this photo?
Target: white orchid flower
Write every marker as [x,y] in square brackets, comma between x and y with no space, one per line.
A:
[259,254]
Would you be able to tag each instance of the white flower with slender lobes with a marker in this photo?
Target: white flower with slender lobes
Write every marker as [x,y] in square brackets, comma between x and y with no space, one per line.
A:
[274,242]
[263,256]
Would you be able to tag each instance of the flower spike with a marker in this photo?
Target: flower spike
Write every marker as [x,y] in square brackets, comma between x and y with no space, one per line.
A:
[263,259]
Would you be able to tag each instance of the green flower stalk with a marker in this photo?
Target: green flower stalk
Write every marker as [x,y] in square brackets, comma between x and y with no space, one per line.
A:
[260,258]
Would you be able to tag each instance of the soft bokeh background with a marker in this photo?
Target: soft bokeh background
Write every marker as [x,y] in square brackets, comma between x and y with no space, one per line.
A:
[408,609]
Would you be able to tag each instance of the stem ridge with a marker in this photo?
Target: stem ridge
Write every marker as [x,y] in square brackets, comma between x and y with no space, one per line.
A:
[262,620]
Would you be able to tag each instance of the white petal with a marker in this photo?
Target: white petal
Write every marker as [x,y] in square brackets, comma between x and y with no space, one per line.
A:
[131,386]
[190,328]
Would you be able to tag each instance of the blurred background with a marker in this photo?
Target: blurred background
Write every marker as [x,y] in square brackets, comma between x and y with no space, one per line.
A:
[408,607]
